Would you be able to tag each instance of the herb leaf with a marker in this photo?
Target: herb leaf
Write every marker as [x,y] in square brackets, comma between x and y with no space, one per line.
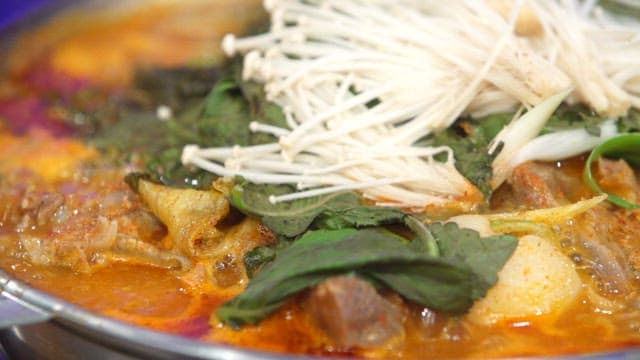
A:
[485,256]
[434,282]
[331,212]
[469,139]
[258,257]
[449,283]
[439,285]
[221,118]
[290,218]
[630,122]
[571,117]
[358,216]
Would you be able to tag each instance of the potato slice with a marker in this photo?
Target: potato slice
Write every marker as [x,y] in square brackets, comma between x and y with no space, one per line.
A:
[538,279]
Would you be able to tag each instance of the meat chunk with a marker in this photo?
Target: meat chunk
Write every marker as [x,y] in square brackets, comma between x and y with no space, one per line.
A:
[41,206]
[603,239]
[617,176]
[538,185]
[608,233]
[226,268]
[597,239]
[74,245]
[191,216]
[352,313]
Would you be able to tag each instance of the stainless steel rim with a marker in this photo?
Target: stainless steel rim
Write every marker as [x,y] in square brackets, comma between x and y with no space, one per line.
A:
[147,343]
[128,338]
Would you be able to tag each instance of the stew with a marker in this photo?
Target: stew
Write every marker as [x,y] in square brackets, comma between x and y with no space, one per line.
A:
[323,182]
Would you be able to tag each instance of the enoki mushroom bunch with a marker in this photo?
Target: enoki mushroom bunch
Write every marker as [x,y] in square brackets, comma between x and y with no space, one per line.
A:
[360,81]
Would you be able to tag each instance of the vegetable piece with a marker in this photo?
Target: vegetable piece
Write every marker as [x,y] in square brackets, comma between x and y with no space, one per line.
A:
[287,219]
[624,8]
[441,283]
[625,146]
[367,94]
[175,87]
[554,215]
[222,119]
[570,131]
[465,246]
[341,251]
[630,123]
[563,144]
[256,258]
[519,132]
[123,136]
[537,279]
[424,242]
[332,212]
[231,107]
[574,117]
[470,139]
[339,217]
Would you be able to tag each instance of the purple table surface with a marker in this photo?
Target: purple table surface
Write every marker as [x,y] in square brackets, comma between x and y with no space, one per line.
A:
[13,10]
[10,12]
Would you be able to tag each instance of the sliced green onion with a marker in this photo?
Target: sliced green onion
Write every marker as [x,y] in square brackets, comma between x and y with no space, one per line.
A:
[625,146]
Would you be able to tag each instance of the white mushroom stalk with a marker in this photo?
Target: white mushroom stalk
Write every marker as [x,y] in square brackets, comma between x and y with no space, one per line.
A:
[361,81]
[587,48]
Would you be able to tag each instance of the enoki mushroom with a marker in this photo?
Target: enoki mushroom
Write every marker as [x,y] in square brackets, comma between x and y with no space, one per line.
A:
[361,81]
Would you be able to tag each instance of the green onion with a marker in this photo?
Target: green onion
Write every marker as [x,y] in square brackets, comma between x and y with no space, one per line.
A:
[624,146]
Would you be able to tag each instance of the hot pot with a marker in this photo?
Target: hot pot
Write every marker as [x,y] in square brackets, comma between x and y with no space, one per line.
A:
[36,325]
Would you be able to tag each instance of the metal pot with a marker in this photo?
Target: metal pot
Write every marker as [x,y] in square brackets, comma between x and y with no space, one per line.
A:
[36,325]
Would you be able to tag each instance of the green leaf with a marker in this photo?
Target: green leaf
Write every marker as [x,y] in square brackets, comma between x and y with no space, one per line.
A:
[438,283]
[221,118]
[568,117]
[325,237]
[331,212]
[337,216]
[123,135]
[630,122]
[424,241]
[466,269]
[225,117]
[258,257]
[469,139]
[175,87]
[621,8]
[289,218]
[485,256]
[624,146]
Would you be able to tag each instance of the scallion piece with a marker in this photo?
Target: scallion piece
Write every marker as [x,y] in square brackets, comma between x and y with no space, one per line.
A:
[624,146]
